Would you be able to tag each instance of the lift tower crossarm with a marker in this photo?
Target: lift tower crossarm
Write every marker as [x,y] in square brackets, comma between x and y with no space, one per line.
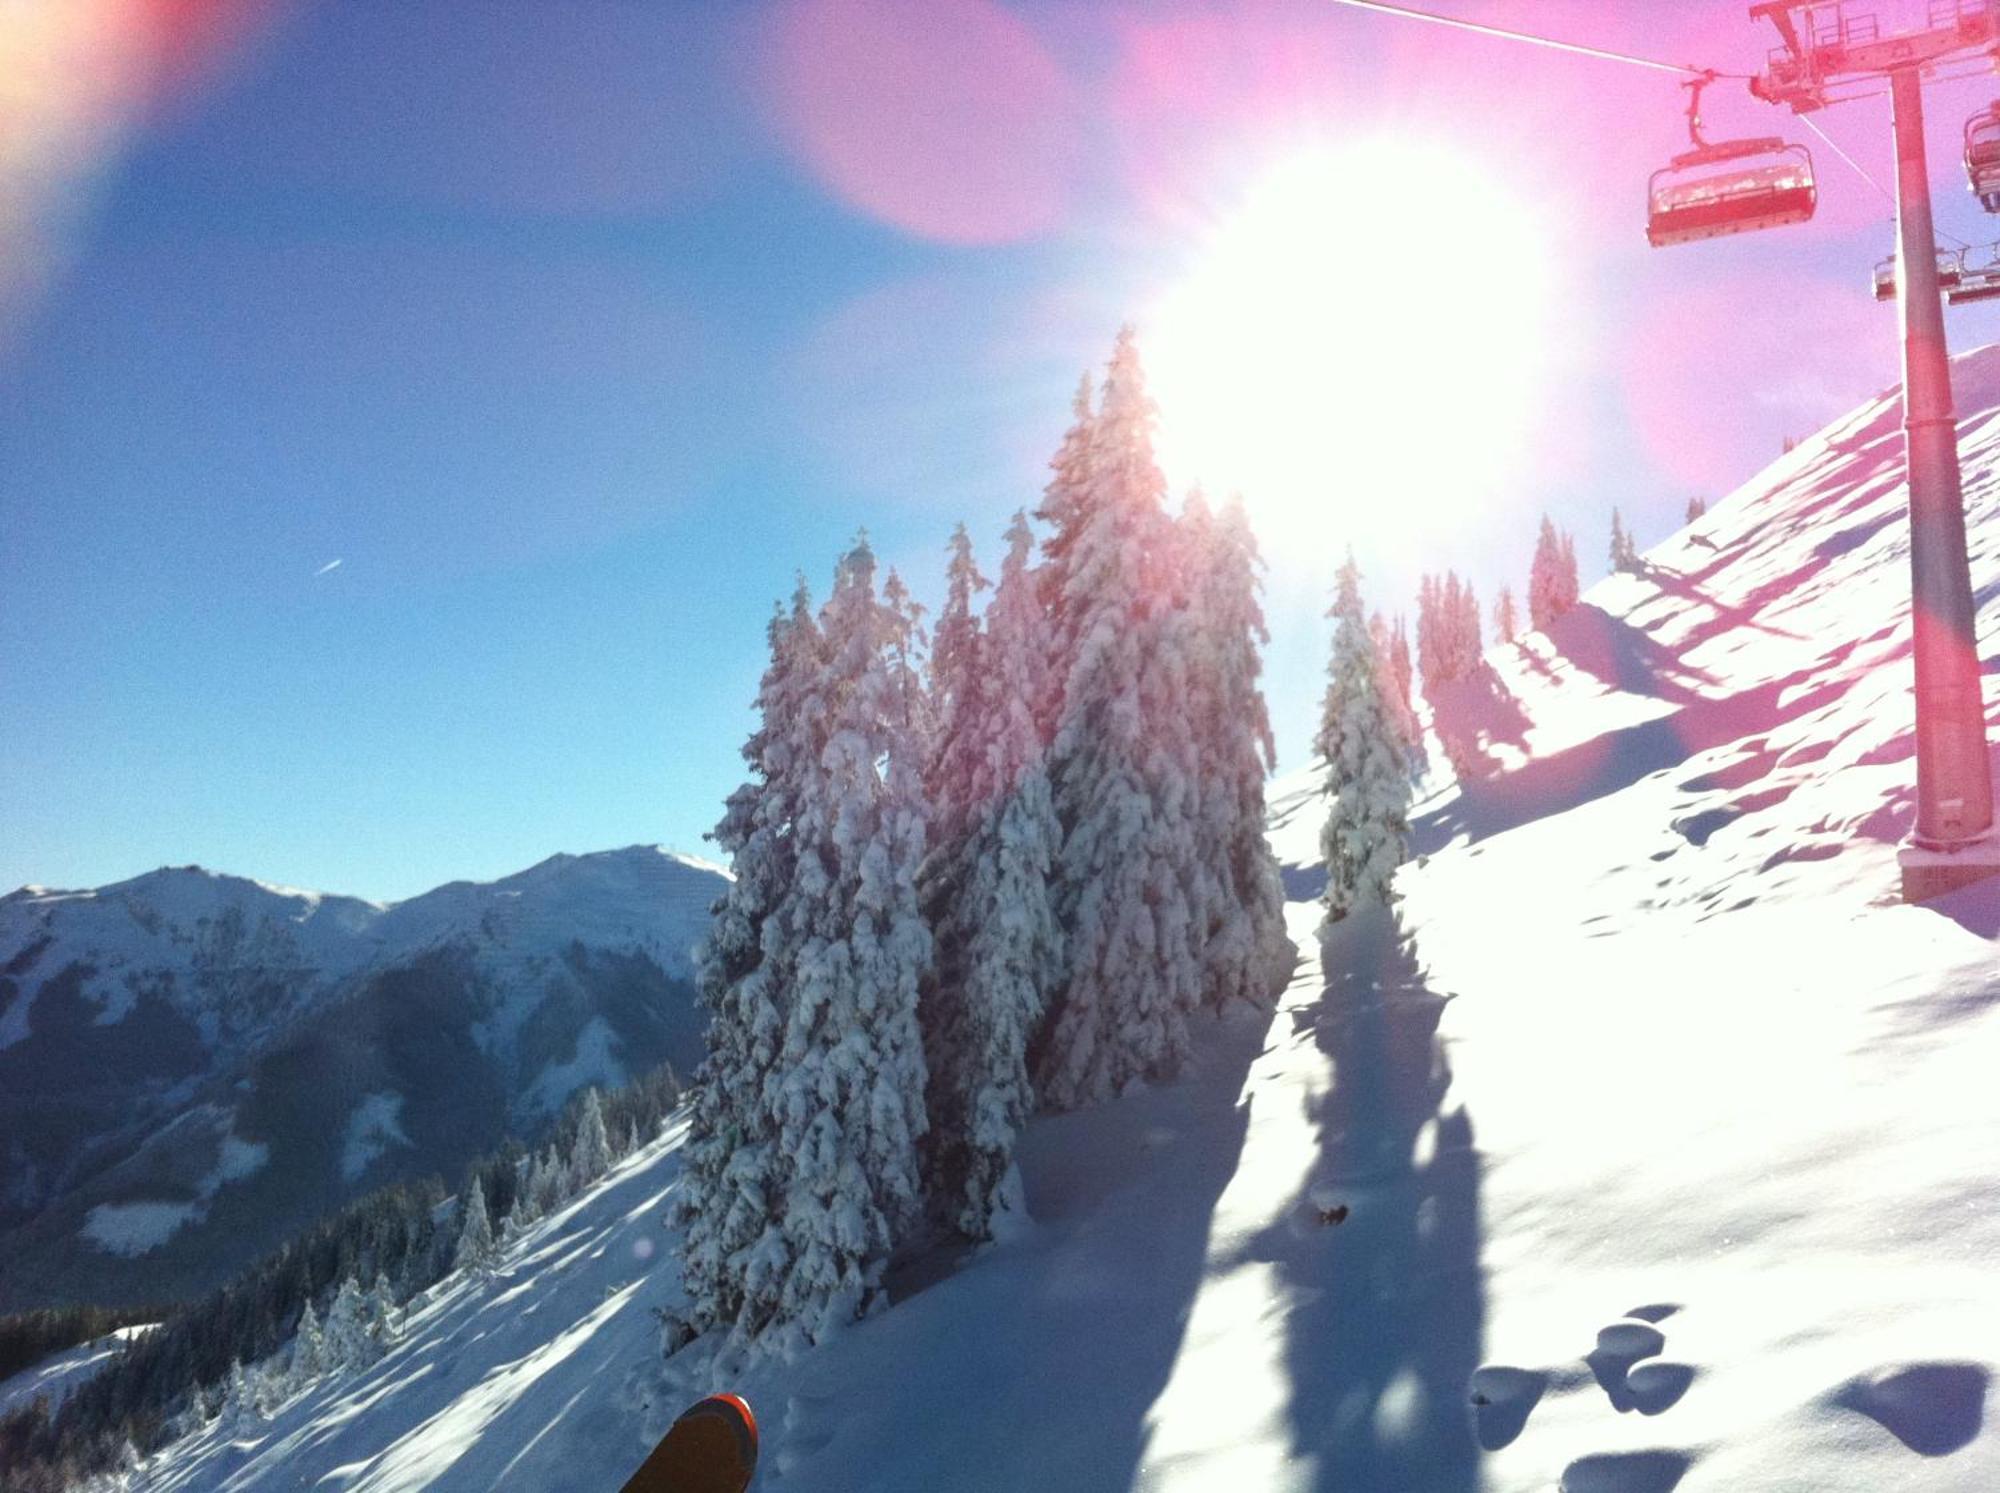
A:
[1809,65]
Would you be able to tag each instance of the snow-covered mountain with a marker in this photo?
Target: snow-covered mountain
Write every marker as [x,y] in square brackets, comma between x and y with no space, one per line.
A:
[193,1065]
[1656,1153]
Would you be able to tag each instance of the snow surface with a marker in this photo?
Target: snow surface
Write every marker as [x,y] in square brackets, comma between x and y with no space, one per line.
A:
[132,1229]
[375,1126]
[1661,1063]
[136,1227]
[60,1375]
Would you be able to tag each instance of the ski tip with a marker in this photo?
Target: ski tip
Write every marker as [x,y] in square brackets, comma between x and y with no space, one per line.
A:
[712,1448]
[737,1411]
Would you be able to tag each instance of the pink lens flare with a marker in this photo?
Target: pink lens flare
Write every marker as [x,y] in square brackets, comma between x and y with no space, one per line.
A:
[949,121]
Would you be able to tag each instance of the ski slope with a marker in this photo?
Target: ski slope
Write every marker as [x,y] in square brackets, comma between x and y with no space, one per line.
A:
[1653,1148]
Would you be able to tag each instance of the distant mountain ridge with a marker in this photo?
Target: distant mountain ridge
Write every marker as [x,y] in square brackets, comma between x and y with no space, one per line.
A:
[193,1064]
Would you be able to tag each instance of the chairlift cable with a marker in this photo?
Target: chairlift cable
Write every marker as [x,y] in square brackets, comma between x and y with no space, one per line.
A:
[1856,167]
[1507,34]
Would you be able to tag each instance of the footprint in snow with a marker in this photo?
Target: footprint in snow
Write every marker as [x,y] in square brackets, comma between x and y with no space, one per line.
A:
[1655,1313]
[1658,1384]
[1932,1408]
[1503,1397]
[1626,1472]
[1619,1346]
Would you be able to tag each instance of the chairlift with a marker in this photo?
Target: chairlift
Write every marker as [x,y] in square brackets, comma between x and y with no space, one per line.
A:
[1730,186]
[1950,270]
[1982,156]
[1977,282]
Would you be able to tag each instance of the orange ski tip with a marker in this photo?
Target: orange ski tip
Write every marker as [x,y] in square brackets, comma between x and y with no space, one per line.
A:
[742,1407]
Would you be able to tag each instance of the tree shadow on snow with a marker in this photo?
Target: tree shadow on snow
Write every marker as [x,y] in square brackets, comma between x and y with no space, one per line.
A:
[1617,759]
[1036,1364]
[1387,1299]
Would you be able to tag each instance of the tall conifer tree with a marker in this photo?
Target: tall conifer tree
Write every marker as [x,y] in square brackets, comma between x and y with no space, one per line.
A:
[1367,782]
[849,1094]
[1118,766]
[998,952]
[1245,953]
[732,1183]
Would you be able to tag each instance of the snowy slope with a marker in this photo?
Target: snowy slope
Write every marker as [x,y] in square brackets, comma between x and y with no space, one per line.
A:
[194,1065]
[60,1375]
[1664,1135]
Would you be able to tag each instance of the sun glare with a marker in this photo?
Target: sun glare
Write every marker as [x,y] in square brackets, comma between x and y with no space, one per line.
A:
[1360,348]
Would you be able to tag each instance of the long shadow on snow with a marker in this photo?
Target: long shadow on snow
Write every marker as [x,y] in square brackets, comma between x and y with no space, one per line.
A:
[1034,1366]
[1387,1307]
[1606,764]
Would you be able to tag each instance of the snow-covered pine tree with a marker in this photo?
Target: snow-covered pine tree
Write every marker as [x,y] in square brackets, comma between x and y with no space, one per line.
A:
[1451,627]
[1399,663]
[1245,953]
[381,1313]
[1409,730]
[1367,825]
[348,1344]
[1431,644]
[957,738]
[1697,506]
[308,1348]
[732,1189]
[236,1394]
[1568,588]
[476,1248]
[997,943]
[1505,622]
[1064,505]
[849,1088]
[1624,549]
[1117,770]
[1471,635]
[590,1155]
[1546,586]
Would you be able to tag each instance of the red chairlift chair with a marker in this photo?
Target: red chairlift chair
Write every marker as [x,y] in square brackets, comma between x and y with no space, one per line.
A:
[1731,186]
[1982,156]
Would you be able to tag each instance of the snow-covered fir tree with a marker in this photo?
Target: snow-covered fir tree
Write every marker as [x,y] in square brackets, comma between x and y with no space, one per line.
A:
[957,740]
[349,1342]
[382,1313]
[590,1155]
[1395,702]
[1505,622]
[1467,641]
[1367,825]
[1552,578]
[1245,953]
[545,1182]
[236,1397]
[1697,507]
[1448,636]
[1400,665]
[1624,551]
[1118,769]
[476,1248]
[731,1193]
[988,890]
[1062,510]
[849,1090]
[308,1347]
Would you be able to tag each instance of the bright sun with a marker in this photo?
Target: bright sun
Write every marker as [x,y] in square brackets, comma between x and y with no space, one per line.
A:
[1360,348]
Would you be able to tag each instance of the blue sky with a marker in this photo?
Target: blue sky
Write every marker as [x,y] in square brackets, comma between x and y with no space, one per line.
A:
[573,331]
